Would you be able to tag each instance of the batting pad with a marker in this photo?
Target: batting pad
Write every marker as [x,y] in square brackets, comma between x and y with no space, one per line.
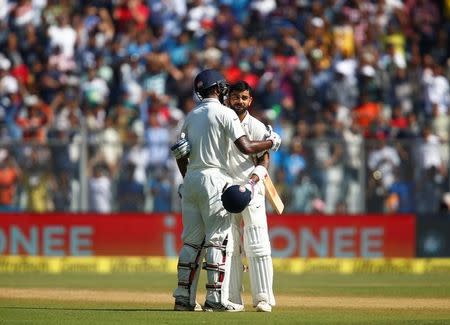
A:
[188,271]
[232,283]
[257,249]
[215,270]
[261,279]
[235,279]
[195,277]
[256,241]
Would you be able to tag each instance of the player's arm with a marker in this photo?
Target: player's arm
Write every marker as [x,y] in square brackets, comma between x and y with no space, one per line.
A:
[259,172]
[234,129]
[248,147]
[262,161]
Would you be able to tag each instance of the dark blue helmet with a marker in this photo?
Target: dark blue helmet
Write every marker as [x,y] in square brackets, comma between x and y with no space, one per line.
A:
[209,78]
[236,198]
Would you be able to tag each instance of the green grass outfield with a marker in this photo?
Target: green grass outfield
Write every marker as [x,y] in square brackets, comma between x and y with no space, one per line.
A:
[145,298]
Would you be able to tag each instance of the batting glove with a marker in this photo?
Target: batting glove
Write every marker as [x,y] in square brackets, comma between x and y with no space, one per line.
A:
[181,148]
[274,137]
[260,171]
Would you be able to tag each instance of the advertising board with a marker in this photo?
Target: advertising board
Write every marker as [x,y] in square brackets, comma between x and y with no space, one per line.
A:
[367,236]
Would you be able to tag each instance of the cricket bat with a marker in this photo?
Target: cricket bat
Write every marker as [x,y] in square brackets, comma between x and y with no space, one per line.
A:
[273,196]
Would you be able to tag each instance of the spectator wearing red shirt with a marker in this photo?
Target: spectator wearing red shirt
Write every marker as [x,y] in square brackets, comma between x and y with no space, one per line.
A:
[366,113]
[9,177]
[398,120]
[132,10]
[35,119]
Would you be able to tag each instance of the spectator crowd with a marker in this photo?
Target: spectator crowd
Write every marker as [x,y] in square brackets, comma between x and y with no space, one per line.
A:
[358,89]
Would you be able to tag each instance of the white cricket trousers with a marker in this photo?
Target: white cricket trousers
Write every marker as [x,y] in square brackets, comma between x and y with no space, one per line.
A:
[203,214]
[207,223]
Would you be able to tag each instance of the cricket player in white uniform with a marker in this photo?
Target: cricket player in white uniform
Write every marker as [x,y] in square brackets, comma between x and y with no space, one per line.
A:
[256,237]
[208,134]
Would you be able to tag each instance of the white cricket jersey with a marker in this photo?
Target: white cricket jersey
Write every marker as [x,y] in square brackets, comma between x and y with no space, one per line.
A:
[210,129]
[241,165]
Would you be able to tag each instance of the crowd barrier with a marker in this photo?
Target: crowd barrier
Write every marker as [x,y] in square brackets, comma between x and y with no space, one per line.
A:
[292,236]
[60,243]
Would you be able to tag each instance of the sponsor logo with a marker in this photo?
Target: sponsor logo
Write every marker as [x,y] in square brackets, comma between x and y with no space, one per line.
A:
[48,240]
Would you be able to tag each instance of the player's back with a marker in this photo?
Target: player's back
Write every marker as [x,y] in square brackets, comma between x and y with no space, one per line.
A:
[209,129]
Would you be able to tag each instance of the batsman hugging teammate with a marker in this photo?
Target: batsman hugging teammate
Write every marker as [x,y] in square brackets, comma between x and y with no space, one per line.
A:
[209,132]
[255,234]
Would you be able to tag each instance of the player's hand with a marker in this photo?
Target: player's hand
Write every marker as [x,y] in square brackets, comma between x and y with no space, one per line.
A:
[259,171]
[274,137]
[181,148]
[250,186]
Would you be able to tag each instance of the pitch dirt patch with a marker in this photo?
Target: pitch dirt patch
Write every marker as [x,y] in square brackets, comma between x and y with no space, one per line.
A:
[282,300]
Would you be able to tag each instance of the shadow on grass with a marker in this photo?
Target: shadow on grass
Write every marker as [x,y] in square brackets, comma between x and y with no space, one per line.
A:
[89,309]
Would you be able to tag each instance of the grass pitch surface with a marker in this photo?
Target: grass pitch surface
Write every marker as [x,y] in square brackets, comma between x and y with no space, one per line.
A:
[145,298]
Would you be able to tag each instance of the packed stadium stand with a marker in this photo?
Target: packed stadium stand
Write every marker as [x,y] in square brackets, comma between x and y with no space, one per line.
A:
[93,94]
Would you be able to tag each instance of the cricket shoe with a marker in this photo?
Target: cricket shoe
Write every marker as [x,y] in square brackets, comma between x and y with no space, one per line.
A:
[198,307]
[210,306]
[182,304]
[264,306]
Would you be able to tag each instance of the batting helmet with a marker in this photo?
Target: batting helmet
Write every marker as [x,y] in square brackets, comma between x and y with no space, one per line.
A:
[236,198]
[209,78]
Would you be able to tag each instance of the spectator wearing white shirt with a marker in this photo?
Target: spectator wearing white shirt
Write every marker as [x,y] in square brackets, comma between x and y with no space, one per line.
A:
[63,35]
[431,172]
[200,17]
[138,155]
[263,7]
[8,83]
[441,127]
[23,13]
[436,89]
[110,145]
[429,150]
[100,190]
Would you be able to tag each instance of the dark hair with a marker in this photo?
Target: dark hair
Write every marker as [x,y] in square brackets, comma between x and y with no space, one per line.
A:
[240,86]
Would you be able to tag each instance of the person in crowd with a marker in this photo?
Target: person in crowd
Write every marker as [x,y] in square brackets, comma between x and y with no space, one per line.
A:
[100,191]
[38,181]
[161,190]
[130,193]
[10,175]
[382,161]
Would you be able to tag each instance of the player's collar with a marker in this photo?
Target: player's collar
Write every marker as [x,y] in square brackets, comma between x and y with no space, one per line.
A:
[209,100]
[246,118]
